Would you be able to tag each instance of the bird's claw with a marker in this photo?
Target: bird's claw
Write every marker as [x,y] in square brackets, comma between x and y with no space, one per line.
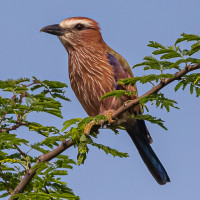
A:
[108,115]
[88,127]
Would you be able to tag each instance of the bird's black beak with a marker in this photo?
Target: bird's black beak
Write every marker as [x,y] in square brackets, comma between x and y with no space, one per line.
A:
[53,29]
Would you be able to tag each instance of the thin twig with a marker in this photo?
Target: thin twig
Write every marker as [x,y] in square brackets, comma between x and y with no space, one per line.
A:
[47,191]
[14,127]
[20,151]
[29,174]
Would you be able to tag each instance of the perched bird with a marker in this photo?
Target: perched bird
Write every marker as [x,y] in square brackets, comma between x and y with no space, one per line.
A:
[94,70]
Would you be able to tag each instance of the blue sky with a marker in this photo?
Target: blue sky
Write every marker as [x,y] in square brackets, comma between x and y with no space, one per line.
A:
[127,26]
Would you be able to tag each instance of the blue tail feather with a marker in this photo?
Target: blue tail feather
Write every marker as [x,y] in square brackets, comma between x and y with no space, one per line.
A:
[138,133]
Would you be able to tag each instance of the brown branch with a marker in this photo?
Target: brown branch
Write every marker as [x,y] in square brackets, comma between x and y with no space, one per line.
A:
[14,127]
[66,144]
[18,123]
[34,82]
[156,88]
[29,174]
[20,151]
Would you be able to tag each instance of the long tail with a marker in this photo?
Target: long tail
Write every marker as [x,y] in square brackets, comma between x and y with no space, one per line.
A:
[138,133]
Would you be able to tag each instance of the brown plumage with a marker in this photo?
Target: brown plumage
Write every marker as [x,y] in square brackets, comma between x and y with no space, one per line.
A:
[90,73]
[94,70]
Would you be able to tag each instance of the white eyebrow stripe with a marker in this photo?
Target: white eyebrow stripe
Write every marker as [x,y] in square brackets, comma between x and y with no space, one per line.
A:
[71,23]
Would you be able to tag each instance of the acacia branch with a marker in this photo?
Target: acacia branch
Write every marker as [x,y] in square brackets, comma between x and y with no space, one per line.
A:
[14,127]
[30,173]
[68,143]
[20,151]
[155,89]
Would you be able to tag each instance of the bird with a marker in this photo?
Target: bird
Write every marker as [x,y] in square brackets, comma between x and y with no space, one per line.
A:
[94,70]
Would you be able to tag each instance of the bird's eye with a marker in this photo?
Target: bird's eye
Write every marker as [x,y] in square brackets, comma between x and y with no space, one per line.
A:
[80,27]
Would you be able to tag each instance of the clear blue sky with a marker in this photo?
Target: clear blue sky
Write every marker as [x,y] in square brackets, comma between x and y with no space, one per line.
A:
[127,26]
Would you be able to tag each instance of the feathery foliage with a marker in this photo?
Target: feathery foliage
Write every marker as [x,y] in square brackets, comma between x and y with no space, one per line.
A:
[21,101]
[76,133]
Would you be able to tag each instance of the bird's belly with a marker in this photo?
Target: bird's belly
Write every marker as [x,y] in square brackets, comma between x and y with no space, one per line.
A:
[89,92]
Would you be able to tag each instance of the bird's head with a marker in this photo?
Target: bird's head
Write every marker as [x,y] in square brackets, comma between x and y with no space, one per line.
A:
[76,32]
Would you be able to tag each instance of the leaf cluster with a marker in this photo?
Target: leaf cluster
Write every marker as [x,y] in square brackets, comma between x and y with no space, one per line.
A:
[173,57]
[74,129]
[26,97]
[160,101]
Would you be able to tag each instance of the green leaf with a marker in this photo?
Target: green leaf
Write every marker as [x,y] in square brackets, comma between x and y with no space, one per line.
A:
[85,121]
[4,195]
[191,88]
[52,141]
[43,130]
[100,117]
[60,96]
[44,196]
[82,151]
[187,37]
[38,148]
[192,60]
[149,63]
[176,64]
[55,84]
[70,122]
[20,88]
[170,55]
[197,89]
[146,79]
[8,137]
[178,86]
[59,172]
[36,87]
[194,48]
[83,138]
[160,100]
[155,45]
[118,93]
[151,119]
[107,149]
[40,167]
[7,160]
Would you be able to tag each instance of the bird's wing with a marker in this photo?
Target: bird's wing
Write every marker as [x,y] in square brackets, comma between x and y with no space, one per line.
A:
[121,60]
[122,70]
[121,67]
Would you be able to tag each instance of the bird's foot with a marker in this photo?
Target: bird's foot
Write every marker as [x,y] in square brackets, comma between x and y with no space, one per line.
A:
[88,127]
[108,115]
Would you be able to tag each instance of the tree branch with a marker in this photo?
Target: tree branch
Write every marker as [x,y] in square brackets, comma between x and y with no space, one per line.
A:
[66,144]
[30,173]
[20,151]
[14,127]
[156,88]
